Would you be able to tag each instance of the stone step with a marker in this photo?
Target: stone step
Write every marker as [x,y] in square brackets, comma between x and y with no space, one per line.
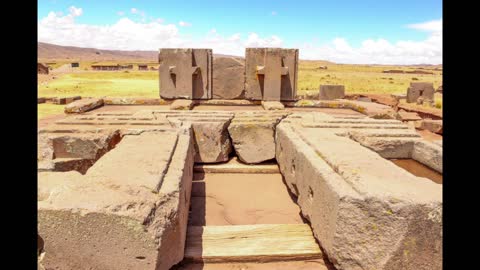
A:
[251,243]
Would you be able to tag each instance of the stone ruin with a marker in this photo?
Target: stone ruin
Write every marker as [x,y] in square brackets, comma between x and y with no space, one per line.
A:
[420,90]
[114,188]
[330,92]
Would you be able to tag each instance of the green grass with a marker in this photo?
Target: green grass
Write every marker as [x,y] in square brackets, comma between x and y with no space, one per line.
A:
[100,84]
[360,78]
[132,83]
[45,110]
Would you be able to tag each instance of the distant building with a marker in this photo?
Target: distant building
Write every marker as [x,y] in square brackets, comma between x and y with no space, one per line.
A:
[142,67]
[110,66]
[419,72]
[75,64]
[393,71]
[42,69]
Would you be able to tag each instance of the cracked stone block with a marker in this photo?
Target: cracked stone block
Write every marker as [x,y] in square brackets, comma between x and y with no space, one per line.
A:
[253,135]
[228,78]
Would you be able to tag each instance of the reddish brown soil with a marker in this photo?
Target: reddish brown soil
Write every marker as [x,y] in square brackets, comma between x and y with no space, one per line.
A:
[229,199]
[429,136]
[418,169]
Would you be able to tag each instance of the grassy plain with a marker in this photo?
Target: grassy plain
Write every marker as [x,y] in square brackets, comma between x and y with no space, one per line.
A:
[356,78]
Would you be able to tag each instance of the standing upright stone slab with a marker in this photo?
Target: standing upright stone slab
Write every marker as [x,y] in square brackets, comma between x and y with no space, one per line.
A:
[420,89]
[228,78]
[329,92]
[185,73]
[271,74]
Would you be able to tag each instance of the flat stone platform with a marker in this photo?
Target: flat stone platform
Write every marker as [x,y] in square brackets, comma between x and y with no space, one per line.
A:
[134,165]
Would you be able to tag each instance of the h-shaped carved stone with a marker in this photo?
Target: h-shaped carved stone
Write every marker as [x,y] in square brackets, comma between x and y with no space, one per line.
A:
[185,73]
[273,70]
[173,70]
[271,73]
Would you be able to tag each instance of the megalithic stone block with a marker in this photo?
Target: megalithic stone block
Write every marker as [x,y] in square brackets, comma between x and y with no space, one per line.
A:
[271,74]
[420,89]
[185,73]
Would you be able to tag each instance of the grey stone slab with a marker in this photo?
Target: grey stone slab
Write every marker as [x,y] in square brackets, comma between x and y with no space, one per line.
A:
[271,74]
[185,73]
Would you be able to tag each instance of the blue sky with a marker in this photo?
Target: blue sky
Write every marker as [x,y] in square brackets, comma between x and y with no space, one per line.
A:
[321,27]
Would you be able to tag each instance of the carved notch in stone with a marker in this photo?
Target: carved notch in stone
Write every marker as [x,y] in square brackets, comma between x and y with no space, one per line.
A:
[185,73]
[271,74]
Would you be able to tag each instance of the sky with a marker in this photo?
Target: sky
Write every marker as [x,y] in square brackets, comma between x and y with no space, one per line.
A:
[342,31]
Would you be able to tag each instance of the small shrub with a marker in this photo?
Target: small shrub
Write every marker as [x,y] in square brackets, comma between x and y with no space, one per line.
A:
[414,79]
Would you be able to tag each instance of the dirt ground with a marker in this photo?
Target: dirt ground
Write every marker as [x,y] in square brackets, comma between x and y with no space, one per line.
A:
[429,136]
[228,199]
[418,169]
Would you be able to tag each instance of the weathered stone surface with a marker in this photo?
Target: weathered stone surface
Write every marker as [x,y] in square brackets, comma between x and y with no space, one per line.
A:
[182,104]
[388,147]
[271,74]
[438,142]
[185,73]
[272,105]
[366,212]
[210,135]
[73,151]
[420,89]
[429,154]
[423,111]
[408,116]
[435,126]
[440,89]
[364,99]
[117,216]
[65,100]
[212,142]
[329,92]
[253,135]
[84,105]
[228,78]
[134,101]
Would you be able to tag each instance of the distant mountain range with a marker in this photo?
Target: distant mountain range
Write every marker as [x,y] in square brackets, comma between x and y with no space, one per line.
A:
[51,52]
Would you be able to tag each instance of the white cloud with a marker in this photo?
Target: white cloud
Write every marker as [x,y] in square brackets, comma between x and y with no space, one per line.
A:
[274,13]
[120,13]
[185,24]
[381,51]
[430,26]
[127,34]
[75,11]
[134,10]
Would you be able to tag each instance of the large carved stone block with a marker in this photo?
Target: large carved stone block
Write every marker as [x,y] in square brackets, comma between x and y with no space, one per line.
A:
[271,74]
[185,73]
[420,89]
[228,78]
